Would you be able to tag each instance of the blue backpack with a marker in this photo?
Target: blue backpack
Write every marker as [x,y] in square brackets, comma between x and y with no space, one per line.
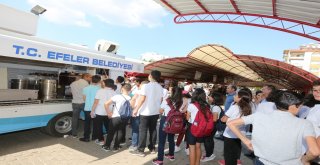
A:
[125,110]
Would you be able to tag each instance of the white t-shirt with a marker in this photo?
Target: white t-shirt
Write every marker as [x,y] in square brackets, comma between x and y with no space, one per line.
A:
[165,107]
[118,101]
[277,137]
[153,92]
[119,86]
[192,109]
[165,93]
[314,117]
[233,113]
[266,107]
[103,95]
[215,109]
[76,90]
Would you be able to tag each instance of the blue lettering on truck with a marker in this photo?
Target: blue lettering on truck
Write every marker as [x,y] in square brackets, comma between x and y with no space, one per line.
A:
[60,56]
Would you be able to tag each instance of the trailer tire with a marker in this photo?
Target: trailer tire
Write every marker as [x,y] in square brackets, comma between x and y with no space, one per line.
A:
[60,125]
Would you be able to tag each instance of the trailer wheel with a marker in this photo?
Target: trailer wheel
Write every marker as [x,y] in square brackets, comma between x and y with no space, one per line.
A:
[60,125]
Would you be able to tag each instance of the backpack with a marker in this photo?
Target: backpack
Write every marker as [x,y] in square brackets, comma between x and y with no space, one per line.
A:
[125,110]
[202,127]
[174,123]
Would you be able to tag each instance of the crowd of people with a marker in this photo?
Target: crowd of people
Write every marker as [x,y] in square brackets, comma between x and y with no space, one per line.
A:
[277,127]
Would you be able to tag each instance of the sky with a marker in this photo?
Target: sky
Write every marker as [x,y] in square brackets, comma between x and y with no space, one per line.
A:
[143,26]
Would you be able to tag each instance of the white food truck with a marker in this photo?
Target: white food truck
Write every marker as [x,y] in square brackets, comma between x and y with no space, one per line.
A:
[35,74]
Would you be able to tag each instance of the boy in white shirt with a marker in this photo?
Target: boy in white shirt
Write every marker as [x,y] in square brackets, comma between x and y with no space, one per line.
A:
[116,124]
[98,110]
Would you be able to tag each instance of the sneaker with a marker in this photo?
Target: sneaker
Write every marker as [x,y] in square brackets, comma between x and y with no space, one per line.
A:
[84,139]
[205,159]
[170,157]
[74,136]
[177,149]
[138,153]
[157,162]
[105,148]
[116,149]
[99,142]
[122,144]
[133,148]
[222,162]
[187,151]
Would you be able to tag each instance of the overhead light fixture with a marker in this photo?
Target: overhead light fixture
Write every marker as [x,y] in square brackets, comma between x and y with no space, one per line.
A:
[37,10]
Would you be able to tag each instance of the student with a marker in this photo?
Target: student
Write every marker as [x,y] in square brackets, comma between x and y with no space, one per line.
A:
[258,97]
[77,101]
[231,92]
[198,96]
[314,114]
[232,144]
[277,137]
[119,83]
[89,94]
[186,101]
[135,120]
[116,124]
[215,100]
[148,107]
[98,109]
[176,100]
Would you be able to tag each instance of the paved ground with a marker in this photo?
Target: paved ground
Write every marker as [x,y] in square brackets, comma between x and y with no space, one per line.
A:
[34,147]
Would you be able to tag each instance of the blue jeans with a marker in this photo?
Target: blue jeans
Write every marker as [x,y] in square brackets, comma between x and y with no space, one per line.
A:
[162,140]
[135,121]
[76,109]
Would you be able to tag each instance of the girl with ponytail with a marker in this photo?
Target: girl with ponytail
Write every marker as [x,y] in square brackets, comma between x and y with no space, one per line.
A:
[232,144]
[198,97]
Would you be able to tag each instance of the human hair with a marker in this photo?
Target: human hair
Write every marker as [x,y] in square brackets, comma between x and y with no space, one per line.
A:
[155,74]
[271,87]
[316,83]
[176,96]
[309,101]
[233,87]
[114,87]
[108,83]
[249,92]
[138,80]
[217,97]
[120,79]
[244,102]
[96,79]
[271,97]
[285,99]
[126,87]
[199,96]
[258,92]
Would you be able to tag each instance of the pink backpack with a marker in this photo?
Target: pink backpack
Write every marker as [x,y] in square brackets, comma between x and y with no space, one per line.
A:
[174,123]
[202,127]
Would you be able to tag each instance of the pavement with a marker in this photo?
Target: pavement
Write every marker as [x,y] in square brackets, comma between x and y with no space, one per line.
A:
[33,147]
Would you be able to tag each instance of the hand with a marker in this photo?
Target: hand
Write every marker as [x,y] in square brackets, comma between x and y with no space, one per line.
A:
[109,115]
[248,144]
[134,113]
[92,114]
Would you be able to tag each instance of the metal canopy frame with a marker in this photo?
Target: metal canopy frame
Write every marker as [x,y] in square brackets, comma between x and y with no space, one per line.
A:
[258,70]
[271,14]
